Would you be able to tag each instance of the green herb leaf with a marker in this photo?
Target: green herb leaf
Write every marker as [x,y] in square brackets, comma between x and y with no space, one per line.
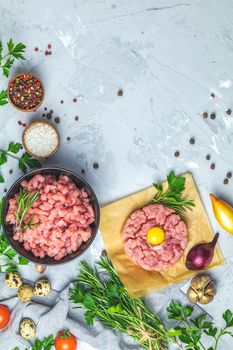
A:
[187,310]
[211,332]
[1,179]
[115,309]
[7,66]
[14,147]
[3,158]
[3,98]
[27,161]
[198,321]
[174,310]
[228,318]
[17,51]
[89,317]
[10,45]
[88,300]
[172,332]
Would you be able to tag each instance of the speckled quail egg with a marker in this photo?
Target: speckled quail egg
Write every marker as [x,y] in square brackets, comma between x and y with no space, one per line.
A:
[25,292]
[13,279]
[42,288]
[27,328]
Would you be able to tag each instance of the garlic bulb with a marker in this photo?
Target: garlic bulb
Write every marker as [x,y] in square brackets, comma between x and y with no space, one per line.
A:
[202,290]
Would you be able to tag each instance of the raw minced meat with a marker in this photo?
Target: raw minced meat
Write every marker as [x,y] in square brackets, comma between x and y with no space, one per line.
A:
[158,257]
[65,215]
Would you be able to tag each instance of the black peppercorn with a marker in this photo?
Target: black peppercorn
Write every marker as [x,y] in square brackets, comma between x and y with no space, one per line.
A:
[212,116]
[177,154]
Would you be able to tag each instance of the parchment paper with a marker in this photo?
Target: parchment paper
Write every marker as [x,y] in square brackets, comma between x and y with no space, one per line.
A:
[140,282]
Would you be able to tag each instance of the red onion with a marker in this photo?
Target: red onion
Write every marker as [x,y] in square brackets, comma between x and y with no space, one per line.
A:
[201,255]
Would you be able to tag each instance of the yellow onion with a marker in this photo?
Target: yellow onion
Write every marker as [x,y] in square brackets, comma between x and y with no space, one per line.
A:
[223,213]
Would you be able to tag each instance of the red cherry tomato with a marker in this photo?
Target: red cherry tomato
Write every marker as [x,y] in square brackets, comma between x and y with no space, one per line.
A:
[65,341]
[4,316]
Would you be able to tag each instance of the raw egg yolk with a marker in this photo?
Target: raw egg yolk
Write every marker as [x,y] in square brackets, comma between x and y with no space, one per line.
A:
[155,235]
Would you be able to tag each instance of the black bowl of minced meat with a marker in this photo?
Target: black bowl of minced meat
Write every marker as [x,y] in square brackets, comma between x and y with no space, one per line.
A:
[66,222]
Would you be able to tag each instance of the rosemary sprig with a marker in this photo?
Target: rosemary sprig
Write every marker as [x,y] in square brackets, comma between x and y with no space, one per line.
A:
[103,296]
[25,202]
[172,197]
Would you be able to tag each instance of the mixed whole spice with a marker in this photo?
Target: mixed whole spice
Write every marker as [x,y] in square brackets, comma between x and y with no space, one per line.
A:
[25,91]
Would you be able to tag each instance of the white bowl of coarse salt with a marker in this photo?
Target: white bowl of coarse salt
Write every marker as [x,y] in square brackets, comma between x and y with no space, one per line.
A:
[40,139]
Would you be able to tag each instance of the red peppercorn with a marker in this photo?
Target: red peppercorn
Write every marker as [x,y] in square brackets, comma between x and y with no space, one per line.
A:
[49,46]
[24,125]
[46,53]
[212,166]
[36,49]
[75,100]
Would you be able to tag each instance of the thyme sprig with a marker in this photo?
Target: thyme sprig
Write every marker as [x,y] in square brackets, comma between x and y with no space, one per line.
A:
[172,197]
[25,202]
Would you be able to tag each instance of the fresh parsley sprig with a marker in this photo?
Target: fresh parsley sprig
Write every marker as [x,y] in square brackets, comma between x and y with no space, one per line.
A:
[14,52]
[3,98]
[24,162]
[191,331]
[172,197]
[44,344]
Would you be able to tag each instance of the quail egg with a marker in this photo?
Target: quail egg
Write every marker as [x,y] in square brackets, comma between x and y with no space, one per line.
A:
[13,279]
[27,328]
[25,292]
[42,288]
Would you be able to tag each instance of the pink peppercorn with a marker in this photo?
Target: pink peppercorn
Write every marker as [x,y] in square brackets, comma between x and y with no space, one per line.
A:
[36,49]
[46,53]
[49,46]
[75,100]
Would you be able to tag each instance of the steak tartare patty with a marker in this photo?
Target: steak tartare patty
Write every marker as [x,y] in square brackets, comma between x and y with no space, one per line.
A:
[64,214]
[161,256]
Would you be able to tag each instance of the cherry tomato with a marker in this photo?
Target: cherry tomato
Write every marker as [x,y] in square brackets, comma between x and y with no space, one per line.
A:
[4,316]
[65,341]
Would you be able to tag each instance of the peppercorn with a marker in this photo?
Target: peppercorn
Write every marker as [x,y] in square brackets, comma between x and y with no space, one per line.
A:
[212,95]
[49,46]
[45,108]
[212,116]
[5,190]
[68,138]
[75,100]
[11,171]
[208,157]
[177,154]
[229,175]
[49,115]
[82,171]
[26,92]
[36,49]
[62,101]
[43,115]
[205,115]
[51,111]
[225,181]
[95,165]
[192,141]
[120,93]
[212,166]
[76,118]
[228,111]
[57,120]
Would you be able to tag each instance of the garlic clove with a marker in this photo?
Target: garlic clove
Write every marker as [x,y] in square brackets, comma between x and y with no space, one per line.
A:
[211,289]
[200,281]
[192,295]
[206,299]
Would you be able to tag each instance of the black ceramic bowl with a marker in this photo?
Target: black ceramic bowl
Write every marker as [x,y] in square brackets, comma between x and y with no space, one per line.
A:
[56,172]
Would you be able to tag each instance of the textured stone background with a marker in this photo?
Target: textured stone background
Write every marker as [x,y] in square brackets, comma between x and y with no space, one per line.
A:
[168,57]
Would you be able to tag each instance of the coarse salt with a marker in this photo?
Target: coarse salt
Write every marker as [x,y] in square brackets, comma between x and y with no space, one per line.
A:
[41,139]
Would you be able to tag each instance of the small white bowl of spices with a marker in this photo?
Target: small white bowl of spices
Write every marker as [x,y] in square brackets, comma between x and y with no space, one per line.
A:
[41,140]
